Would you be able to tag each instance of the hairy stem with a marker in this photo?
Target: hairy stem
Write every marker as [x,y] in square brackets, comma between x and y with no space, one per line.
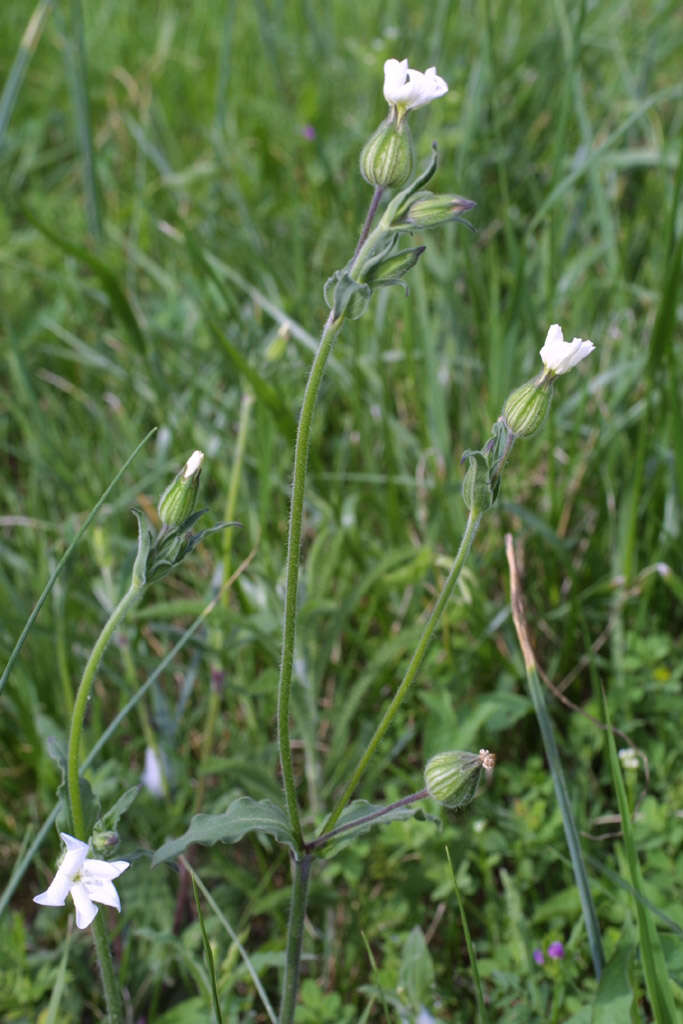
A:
[295,934]
[413,667]
[112,992]
[376,815]
[81,703]
[303,437]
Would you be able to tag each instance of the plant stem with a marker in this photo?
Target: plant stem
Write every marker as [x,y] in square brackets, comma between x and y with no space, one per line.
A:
[303,437]
[295,934]
[414,665]
[365,231]
[112,994]
[381,812]
[81,703]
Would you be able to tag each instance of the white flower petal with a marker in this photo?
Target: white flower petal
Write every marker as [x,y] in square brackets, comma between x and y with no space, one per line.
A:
[106,869]
[559,355]
[76,852]
[101,890]
[85,908]
[152,776]
[407,88]
[56,893]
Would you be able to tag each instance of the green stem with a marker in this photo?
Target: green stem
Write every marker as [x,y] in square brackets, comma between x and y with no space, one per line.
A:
[235,480]
[376,815]
[415,663]
[295,934]
[303,436]
[112,993]
[81,703]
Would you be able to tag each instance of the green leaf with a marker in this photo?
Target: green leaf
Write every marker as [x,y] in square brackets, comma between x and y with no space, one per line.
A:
[110,819]
[614,996]
[242,816]
[417,969]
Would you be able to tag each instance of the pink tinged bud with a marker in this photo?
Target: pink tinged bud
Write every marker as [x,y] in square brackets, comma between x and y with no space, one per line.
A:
[555,950]
[538,956]
[428,209]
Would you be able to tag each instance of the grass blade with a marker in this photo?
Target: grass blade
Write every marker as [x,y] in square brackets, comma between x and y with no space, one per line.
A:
[77,75]
[198,884]
[63,560]
[481,1008]
[654,968]
[27,47]
[218,1016]
[554,763]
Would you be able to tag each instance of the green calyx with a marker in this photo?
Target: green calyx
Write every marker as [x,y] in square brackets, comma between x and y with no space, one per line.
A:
[387,158]
[527,406]
[452,778]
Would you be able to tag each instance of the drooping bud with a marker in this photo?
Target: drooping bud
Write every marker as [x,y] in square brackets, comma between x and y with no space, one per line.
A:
[178,500]
[526,407]
[427,209]
[452,778]
[387,158]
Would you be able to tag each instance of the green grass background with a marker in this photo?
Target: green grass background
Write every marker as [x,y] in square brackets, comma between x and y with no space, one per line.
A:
[165,233]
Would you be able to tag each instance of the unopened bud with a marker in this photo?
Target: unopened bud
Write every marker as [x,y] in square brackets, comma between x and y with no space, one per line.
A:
[387,158]
[100,842]
[178,500]
[452,778]
[526,408]
[427,210]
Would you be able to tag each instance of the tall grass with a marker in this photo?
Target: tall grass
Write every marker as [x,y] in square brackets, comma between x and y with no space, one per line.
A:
[177,139]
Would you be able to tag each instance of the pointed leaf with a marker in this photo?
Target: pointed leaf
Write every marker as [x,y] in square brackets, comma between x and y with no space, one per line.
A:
[242,816]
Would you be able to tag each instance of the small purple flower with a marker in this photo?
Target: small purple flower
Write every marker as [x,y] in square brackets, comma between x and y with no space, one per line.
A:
[555,950]
[308,132]
[538,956]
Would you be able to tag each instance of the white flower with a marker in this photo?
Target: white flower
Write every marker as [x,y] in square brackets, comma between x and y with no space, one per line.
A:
[407,88]
[559,355]
[193,464]
[153,774]
[85,879]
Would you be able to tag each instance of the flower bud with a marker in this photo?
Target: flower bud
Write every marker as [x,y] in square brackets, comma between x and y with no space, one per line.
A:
[387,158]
[101,842]
[178,500]
[428,210]
[452,778]
[526,408]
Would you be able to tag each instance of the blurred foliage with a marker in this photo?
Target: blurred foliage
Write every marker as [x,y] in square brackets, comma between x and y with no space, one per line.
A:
[225,142]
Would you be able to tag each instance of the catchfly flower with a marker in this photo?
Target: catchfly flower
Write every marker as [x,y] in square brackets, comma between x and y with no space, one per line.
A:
[89,882]
[559,355]
[407,89]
